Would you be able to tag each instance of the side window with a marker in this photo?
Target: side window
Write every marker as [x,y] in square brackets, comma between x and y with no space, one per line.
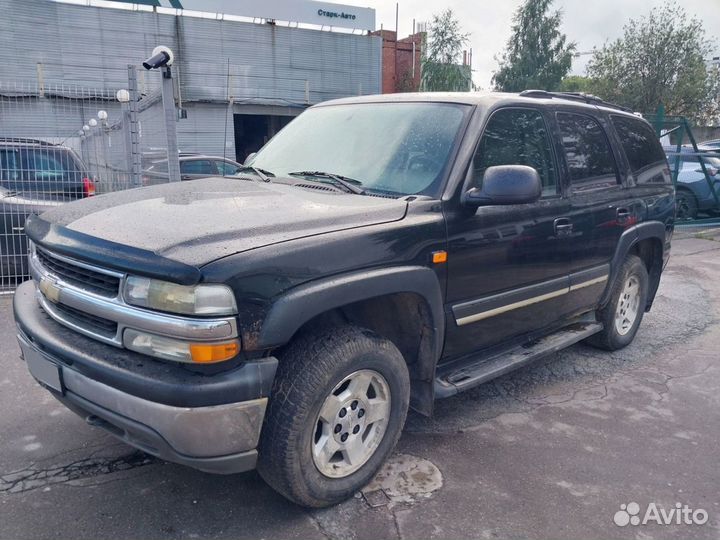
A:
[9,166]
[642,148]
[197,166]
[587,151]
[226,169]
[517,137]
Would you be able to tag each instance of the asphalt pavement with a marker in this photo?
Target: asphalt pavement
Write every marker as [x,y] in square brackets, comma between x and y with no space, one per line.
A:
[559,449]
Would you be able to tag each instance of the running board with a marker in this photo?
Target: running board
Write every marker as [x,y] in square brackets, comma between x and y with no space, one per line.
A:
[477,370]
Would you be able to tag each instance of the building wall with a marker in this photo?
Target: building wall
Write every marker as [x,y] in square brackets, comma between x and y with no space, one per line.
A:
[401,61]
[92,46]
[62,62]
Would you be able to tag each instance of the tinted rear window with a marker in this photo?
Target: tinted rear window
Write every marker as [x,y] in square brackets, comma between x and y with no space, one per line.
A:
[640,143]
[38,165]
[587,151]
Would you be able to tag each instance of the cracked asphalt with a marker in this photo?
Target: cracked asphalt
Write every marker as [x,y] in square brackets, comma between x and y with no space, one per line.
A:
[550,451]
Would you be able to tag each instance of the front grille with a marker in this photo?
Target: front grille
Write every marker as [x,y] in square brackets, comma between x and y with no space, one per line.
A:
[84,278]
[92,323]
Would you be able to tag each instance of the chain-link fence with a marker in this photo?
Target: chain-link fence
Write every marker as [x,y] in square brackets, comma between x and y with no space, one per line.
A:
[60,143]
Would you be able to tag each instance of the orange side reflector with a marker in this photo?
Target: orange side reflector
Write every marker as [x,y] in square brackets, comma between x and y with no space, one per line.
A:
[439,257]
[206,353]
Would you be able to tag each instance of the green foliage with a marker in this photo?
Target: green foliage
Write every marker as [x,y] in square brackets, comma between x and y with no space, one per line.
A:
[538,55]
[575,83]
[661,58]
[441,68]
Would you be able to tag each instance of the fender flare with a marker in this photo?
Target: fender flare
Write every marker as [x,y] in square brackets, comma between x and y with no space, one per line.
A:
[300,304]
[633,235]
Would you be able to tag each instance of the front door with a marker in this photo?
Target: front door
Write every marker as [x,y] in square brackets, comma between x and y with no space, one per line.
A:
[508,265]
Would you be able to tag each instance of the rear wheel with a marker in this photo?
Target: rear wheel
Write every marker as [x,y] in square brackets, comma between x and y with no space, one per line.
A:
[339,402]
[622,315]
[687,206]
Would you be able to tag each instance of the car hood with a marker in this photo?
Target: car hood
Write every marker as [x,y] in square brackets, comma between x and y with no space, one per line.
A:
[200,221]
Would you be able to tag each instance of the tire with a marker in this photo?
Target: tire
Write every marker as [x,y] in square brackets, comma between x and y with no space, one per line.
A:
[311,377]
[619,331]
[687,205]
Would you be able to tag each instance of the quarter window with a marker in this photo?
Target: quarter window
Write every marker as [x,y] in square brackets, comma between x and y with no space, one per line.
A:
[227,169]
[587,151]
[517,137]
[641,146]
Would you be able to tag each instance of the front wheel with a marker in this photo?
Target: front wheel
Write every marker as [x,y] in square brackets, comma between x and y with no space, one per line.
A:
[622,315]
[337,409]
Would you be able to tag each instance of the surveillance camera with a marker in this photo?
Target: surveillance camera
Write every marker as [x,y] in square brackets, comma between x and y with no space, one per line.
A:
[161,56]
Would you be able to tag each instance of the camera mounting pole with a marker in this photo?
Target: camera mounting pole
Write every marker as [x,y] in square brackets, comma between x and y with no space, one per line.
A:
[162,58]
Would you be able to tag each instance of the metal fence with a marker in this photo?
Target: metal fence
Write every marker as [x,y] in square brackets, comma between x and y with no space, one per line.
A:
[695,170]
[60,143]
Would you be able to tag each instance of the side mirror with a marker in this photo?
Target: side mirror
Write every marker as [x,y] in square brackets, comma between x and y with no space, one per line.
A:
[249,158]
[506,184]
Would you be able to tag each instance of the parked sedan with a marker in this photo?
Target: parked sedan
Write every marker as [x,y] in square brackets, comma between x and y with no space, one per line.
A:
[192,167]
[694,193]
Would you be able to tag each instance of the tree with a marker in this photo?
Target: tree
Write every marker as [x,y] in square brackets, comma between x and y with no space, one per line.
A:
[661,58]
[441,68]
[538,55]
[575,83]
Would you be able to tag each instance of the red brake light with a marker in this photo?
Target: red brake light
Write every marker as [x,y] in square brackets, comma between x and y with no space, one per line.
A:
[88,187]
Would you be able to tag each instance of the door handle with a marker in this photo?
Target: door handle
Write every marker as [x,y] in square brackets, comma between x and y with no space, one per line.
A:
[563,227]
[623,215]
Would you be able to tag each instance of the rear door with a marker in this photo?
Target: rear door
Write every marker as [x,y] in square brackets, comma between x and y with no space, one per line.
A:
[602,206]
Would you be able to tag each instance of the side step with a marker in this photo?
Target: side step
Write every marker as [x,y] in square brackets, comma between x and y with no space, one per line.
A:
[477,370]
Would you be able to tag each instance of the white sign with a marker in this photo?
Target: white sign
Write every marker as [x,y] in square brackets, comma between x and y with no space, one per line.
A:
[302,11]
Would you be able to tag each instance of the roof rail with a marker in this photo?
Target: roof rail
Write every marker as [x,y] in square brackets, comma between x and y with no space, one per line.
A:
[25,140]
[573,96]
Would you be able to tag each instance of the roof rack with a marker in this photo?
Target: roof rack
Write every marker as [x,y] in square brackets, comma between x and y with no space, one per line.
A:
[573,96]
[25,140]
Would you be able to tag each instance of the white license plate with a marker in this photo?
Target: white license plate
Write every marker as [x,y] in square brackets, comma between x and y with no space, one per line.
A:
[43,369]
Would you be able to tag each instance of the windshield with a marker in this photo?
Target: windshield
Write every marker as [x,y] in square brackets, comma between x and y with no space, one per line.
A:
[397,148]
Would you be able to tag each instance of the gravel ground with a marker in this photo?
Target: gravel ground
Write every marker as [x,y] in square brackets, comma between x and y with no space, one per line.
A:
[550,451]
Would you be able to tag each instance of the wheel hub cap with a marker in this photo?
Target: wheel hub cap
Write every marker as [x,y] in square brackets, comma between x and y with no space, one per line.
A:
[628,307]
[351,423]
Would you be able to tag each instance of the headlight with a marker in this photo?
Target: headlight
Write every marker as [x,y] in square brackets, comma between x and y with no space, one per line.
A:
[204,299]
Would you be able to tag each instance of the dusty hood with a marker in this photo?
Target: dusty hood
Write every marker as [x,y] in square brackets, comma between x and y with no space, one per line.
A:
[200,221]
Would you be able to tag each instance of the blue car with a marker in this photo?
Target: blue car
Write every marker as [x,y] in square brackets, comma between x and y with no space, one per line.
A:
[694,194]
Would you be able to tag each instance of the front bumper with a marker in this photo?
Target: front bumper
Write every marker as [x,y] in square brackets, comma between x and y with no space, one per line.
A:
[197,425]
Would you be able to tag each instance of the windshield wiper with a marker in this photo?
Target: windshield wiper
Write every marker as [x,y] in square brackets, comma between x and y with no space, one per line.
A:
[350,184]
[262,173]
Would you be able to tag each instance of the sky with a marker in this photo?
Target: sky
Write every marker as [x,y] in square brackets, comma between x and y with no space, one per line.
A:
[587,22]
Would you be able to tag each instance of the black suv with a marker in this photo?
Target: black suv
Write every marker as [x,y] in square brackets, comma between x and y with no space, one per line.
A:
[377,254]
[34,176]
